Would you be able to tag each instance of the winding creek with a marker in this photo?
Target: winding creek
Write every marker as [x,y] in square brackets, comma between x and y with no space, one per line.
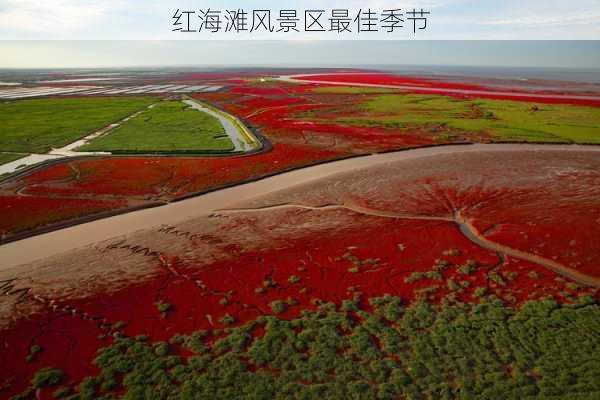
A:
[464,225]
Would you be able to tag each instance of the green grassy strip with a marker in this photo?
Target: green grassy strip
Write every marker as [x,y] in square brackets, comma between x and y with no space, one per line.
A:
[36,126]
[171,126]
[455,351]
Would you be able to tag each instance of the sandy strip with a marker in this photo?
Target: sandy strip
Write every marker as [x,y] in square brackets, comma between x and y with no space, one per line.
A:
[52,243]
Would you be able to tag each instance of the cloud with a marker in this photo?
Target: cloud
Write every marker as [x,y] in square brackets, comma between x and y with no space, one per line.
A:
[48,15]
[548,20]
[450,19]
[379,5]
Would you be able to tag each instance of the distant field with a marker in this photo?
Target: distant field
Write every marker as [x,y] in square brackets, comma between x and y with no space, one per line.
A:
[498,119]
[8,157]
[353,90]
[35,126]
[171,126]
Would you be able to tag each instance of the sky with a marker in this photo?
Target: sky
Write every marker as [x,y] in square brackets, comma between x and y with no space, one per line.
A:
[65,54]
[152,19]
[66,33]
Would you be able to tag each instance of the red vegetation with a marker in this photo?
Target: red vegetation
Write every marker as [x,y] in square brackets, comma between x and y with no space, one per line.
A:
[281,112]
[544,203]
[170,177]
[54,173]
[238,264]
[455,89]
[57,194]
[20,213]
[309,268]
[389,79]
[144,180]
[302,256]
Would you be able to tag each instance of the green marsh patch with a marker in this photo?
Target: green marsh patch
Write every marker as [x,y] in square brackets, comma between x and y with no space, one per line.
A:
[500,120]
[543,350]
[168,127]
[36,126]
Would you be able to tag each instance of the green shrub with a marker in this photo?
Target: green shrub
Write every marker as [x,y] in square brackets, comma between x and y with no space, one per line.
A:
[494,277]
[163,307]
[452,285]
[435,275]
[33,351]
[161,349]
[423,351]
[47,377]
[467,268]
[227,319]
[414,277]
[62,392]
[278,306]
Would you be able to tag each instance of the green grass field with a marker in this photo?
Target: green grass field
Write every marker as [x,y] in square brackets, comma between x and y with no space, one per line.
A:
[35,126]
[8,157]
[499,119]
[171,126]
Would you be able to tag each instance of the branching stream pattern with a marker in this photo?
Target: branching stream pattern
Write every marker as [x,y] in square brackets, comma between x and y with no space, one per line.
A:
[465,226]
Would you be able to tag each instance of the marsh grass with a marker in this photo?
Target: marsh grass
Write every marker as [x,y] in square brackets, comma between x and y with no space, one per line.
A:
[36,126]
[170,126]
